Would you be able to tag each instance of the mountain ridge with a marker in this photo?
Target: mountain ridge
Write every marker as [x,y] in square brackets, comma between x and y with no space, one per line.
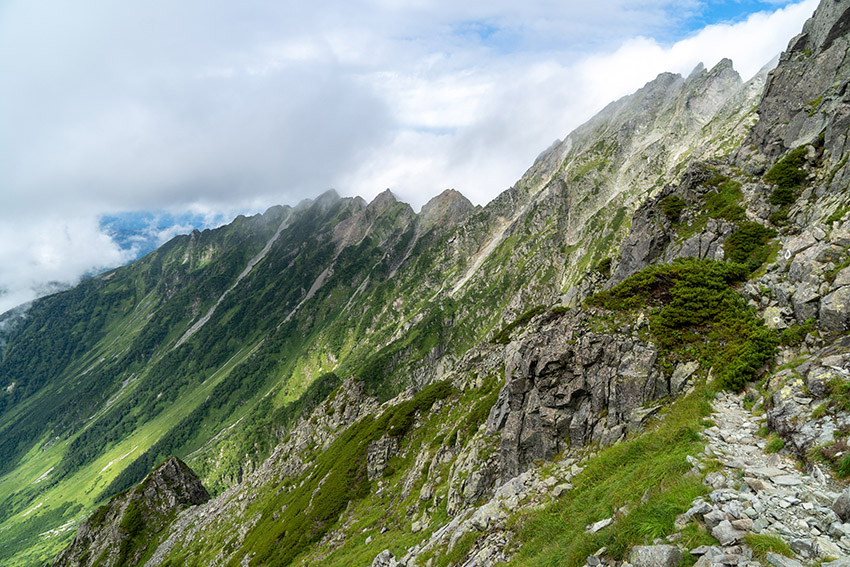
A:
[376,371]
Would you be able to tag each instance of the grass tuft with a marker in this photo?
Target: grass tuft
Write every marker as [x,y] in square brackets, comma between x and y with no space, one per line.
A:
[647,474]
[774,444]
[761,544]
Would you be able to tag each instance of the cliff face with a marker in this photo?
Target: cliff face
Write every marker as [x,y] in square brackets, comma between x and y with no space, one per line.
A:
[806,95]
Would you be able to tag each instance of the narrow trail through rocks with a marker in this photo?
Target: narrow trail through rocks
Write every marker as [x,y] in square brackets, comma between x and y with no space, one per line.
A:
[754,492]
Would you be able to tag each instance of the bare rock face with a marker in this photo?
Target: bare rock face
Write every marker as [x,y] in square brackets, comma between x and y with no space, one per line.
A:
[655,556]
[379,454]
[120,532]
[566,385]
[807,93]
[448,208]
[652,232]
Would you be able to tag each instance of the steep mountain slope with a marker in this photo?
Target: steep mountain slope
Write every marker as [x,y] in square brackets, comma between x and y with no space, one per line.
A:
[202,347]
[363,348]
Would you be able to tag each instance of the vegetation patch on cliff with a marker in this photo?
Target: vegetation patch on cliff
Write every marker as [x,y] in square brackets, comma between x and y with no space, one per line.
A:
[302,512]
[694,311]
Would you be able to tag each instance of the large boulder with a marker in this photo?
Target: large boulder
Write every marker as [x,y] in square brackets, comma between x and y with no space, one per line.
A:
[655,556]
[841,506]
[835,310]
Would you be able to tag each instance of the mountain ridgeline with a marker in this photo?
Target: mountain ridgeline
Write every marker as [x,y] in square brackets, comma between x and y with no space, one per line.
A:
[352,383]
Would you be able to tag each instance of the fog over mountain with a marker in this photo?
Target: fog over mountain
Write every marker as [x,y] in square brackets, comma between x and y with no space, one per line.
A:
[218,110]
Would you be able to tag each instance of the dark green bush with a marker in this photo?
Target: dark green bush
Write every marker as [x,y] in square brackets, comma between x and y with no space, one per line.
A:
[794,335]
[780,217]
[783,196]
[695,306]
[747,244]
[724,204]
[604,267]
[672,206]
[787,174]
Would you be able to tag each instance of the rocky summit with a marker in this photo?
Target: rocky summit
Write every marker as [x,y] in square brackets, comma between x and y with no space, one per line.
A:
[638,355]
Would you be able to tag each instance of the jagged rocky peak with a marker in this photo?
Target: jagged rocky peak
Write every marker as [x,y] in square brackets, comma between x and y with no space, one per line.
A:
[447,209]
[667,104]
[806,94]
[120,532]
[384,214]
[708,91]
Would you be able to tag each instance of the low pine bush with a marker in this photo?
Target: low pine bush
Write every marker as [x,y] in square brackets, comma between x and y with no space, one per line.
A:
[694,305]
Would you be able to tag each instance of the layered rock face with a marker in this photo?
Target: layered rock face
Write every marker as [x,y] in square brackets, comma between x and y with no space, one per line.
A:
[121,532]
[567,386]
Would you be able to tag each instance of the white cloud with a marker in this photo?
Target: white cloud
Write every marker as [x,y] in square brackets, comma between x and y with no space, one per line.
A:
[530,102]
[57,249]
[109,106]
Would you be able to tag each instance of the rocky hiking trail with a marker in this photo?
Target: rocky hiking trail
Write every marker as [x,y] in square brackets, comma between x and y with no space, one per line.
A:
[757,494]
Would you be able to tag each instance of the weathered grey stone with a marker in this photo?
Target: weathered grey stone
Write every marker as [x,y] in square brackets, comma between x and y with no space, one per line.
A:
[841,506]
[827,549]
[787,480]
[568,386]
[713,518]
[601,524]
[797,244]
[842,278]
[806,298]
[385,559]
[835,310]
[842,562]
[170,488]
[682,374]
[781,561]
[726,534]
[756,484]
[378,455]
[817,380]
[803,547]
[774,317]
[655,556]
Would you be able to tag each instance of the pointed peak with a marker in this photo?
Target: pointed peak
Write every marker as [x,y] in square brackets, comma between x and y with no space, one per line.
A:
[724,68]
[448,196]
[329,195]
[385,196]
[448,208]
[697,71]
[723,64]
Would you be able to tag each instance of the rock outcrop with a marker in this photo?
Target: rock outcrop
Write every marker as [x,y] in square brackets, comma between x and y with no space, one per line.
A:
[568,386]
[806,93]
[121,532]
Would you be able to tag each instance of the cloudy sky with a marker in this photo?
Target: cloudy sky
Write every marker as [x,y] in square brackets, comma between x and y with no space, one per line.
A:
[212,107]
